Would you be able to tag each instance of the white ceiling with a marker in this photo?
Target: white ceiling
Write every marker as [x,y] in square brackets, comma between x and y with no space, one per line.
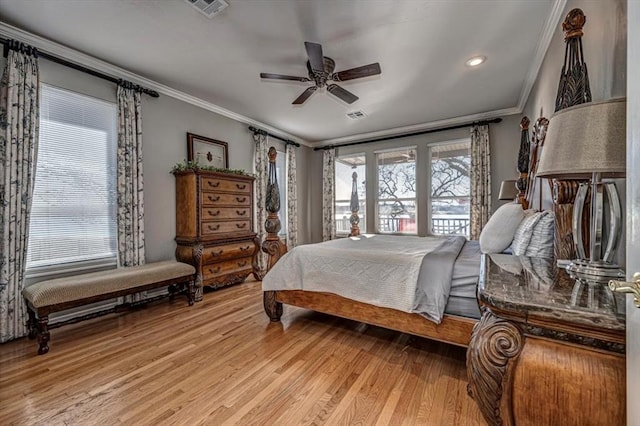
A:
[421,47]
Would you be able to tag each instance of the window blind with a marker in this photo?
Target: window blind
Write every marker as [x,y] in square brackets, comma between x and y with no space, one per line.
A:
[73,214]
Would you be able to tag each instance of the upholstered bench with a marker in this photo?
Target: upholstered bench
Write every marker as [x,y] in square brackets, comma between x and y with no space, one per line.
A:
[55,295]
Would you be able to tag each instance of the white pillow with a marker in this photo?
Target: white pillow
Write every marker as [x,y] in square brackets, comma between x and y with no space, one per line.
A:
[498,233]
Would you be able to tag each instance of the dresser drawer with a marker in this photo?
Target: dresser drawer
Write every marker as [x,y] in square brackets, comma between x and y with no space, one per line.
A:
[229,251]
[218,213]
[226,267]
[213,198]
[213,228]
[213,184]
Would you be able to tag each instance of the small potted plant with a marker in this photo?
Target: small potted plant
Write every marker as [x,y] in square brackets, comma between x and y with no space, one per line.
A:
[194,166]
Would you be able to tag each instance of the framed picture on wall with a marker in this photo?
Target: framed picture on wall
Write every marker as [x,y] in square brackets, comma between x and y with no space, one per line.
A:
[207,151]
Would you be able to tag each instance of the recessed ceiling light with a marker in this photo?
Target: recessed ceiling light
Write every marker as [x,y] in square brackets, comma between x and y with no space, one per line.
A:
[475,61]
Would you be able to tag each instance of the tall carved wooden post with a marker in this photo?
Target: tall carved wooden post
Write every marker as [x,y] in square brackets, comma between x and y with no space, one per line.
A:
[523,163]
[355,207]
[272,245]
[573,89]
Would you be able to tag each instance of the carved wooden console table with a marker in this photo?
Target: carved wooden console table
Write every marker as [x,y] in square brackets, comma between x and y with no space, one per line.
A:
[548,350]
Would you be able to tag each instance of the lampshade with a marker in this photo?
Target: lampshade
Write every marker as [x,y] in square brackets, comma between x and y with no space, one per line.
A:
[508,190]
[585,139]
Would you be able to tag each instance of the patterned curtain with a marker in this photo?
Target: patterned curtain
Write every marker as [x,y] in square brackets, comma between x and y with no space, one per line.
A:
[328,195]
[130,177]
[480,179]
[19,122]
[262,178]
[292,197]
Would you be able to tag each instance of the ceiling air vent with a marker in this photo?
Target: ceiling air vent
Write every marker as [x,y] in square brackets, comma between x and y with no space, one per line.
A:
[209,8]
[355,115]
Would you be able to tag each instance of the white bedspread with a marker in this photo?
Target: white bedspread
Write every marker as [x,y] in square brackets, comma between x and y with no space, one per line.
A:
[381,270]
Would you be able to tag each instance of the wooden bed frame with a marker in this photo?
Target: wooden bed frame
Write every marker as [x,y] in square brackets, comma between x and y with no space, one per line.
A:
[453,329]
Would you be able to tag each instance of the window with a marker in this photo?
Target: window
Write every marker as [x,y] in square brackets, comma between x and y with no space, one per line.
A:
[450,188]
[281,174]
[397,191]
[73,215]
[345,167]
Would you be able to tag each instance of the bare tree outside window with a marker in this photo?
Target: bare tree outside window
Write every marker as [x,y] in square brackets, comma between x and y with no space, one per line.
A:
[450,188]
[397,191]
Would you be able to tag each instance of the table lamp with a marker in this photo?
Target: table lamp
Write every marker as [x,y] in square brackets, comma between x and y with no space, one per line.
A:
[588,142]
[508,190]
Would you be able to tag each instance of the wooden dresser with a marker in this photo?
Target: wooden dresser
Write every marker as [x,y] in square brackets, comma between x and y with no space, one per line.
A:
[214,227]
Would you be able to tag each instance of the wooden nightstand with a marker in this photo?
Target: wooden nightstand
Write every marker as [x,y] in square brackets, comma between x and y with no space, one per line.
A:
[548,350]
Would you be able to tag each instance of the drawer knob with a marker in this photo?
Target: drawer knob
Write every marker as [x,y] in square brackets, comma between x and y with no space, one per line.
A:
[240,225]
[245,248]
[242,263]
[241,199]
[214,214]
[217,253]
[215,270]
[216,198]
[241,212]
[213,228]
[239,186]
[214,184]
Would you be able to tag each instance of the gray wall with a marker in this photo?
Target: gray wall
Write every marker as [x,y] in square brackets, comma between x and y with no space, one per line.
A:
[504,142]
[165,122]
[605,52]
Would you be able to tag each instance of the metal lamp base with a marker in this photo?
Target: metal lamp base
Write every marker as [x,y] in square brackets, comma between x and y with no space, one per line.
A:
[600,271]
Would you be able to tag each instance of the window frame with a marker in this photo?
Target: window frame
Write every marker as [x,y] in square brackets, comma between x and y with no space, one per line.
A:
[362,213]
[376,153]
[430,183]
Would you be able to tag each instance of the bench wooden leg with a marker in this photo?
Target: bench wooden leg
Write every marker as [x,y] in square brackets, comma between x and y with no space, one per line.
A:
[31,324]
[43,335]
[191,292]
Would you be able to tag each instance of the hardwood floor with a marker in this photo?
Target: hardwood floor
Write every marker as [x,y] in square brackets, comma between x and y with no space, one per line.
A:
[222,362]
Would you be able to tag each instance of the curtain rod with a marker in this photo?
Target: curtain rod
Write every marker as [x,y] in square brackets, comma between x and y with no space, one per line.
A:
[66,63]
[405,135]
[263,132]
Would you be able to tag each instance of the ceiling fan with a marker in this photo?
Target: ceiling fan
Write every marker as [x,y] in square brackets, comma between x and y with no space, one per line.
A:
[321,73]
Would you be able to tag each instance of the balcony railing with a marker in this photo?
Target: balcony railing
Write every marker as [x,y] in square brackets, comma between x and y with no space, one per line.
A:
[444,225]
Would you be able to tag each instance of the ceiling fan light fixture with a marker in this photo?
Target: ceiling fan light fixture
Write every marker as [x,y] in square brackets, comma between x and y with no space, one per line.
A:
[475,61]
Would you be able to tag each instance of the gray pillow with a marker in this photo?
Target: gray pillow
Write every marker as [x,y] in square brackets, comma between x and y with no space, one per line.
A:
[534,236]
[498,233]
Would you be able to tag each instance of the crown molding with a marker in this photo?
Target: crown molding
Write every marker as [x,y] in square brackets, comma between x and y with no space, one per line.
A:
[96,64]
[554,18]
[420,127]
[550,26]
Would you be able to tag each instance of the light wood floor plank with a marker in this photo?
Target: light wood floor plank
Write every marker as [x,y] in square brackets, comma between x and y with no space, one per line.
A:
[222,362]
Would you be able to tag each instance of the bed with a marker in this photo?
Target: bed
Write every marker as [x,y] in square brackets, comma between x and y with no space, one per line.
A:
[303,278]
[380,271]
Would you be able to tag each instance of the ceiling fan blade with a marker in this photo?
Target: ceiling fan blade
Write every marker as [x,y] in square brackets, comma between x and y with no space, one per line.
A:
[359,72]
[305,95]
[314,52]
[283,77]
[341,93]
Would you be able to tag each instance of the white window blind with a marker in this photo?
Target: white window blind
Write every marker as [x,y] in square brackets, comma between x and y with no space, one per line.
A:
[73,215]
